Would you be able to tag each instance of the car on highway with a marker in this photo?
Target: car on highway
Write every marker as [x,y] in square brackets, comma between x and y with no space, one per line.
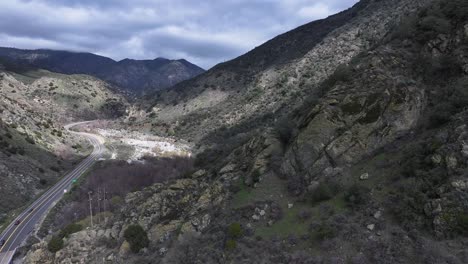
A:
[2,242]
[17,222]
[30,210]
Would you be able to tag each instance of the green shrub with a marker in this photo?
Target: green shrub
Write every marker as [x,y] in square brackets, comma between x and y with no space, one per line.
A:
[30,140]
[76,146]
[323,232]
[21,151]
[256,176]
[352,108]
[459,93]
[343,73]
[436,24]
[231,244]
[235,230]
[457,9]
[446,66]
[38,134]
[55,244]
[462,223]
[441,114]
[406,29]
[12,150]
[136,237]
[407,205]
[325,191]
[437,19]
[116,200]
[285,130]
[357,195]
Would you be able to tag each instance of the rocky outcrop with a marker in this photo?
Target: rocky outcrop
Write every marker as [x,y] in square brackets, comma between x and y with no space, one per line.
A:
[186,202]
[356,118]
[165,211]
[39,254]
[88,246]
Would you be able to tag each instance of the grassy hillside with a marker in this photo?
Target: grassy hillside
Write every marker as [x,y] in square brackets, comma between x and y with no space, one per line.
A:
[36,150]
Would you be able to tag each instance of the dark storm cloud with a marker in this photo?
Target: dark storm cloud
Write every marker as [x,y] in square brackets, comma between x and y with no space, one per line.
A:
[204,32]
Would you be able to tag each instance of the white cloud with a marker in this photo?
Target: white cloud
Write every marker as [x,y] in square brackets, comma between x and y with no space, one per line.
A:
[31,43]
[204,32]
[316,11]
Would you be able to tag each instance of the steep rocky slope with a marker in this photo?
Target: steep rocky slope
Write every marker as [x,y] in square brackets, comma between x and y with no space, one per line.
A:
[351,152]
[136,76]
[275,77]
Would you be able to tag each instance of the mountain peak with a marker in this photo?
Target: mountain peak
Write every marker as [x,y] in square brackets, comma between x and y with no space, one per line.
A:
[160,59]
[138,76]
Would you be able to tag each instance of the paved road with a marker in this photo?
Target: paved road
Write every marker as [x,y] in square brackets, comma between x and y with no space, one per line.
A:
[14,235]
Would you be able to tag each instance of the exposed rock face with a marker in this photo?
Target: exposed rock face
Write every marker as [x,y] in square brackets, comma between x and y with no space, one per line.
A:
[165,211]
[357,118]
[83,247]
[40,254]
[185,202]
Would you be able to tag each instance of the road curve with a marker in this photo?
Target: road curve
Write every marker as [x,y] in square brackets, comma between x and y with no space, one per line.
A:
[14,235]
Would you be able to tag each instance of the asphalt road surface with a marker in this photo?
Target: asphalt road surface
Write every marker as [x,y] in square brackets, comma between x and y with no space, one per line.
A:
[23,225]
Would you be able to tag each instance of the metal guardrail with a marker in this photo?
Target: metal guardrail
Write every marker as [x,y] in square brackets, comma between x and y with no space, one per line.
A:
[7,257]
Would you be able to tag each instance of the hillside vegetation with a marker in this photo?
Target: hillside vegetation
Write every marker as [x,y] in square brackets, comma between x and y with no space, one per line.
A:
[36,150]
[342,141]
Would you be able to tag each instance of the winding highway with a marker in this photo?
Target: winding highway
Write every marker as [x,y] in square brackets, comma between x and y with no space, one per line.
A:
[23,225]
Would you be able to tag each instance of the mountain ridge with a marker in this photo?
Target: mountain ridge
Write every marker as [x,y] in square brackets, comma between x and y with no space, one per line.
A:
[137,76]
[347,145]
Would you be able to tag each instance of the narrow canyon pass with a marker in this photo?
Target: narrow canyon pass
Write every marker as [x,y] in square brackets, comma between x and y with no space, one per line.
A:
[344,140]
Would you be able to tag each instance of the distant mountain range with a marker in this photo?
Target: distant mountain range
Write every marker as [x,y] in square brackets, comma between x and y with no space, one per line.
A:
[137,76]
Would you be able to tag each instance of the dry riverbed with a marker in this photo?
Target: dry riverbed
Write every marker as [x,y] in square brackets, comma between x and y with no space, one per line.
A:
[134,146]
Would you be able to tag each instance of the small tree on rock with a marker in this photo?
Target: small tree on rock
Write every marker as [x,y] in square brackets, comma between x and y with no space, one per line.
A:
[137,237]
[55,244]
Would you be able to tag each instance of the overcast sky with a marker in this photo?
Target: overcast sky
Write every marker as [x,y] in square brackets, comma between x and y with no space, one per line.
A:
[204,32]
